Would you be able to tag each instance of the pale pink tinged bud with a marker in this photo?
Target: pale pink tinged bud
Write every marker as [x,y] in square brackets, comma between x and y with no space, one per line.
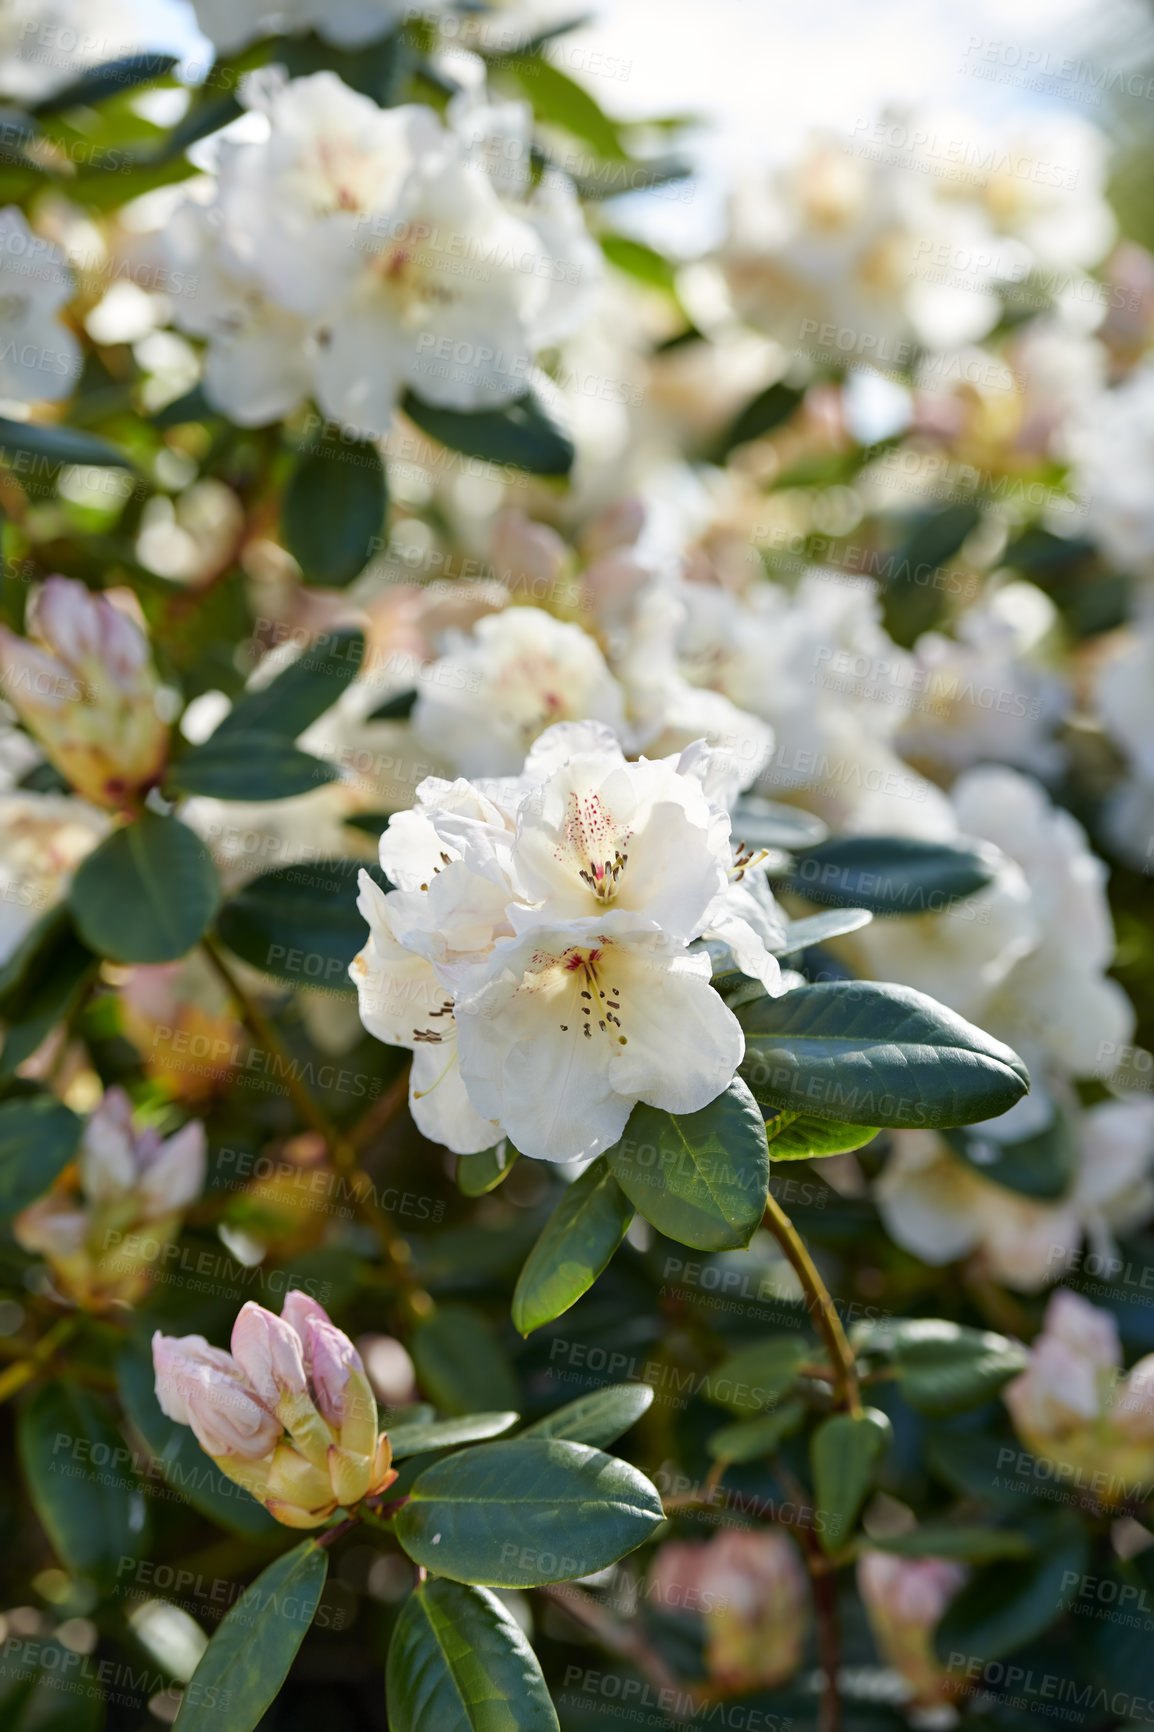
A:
[905,1599]
[107,1158]
[268,1352]
[297,1311]
[174,1178]
[1132,1413]
[86,688]
[1058,1391]
[524,551]
[201,1386]
[1085,1329]
[619,525]
[753,1593]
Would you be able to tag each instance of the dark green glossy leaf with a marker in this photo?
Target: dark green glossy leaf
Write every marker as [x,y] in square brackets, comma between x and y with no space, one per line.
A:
[943,1367]
[754,1378]
[247,1661]
[893,874]
[1042,1166]
[865,1053]
[38,1137]
[974,1545]
[518,1514]
[524,433]
[301,692]
[1010,1602]
[58,445]
[147,893]
[80,1476]
[459,1662]
[240,766]
[300,924]
[700,1178]
[576,1244]
[44,981]
[396,709]
[844,1453]
[111,78]
[596,1419]
[479,1174]
[769,409]
[333,511]
[425,1435]
[914,598]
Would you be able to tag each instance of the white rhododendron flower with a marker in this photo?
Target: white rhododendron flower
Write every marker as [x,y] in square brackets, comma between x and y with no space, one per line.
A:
[483,703]
[1112,446]
[231,24]
[46,45]
[536,953]
[941,1208]
[357,251]
[40,358]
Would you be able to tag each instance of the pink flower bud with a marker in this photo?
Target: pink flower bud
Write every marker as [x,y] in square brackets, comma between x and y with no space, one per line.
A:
[84,685]
[297,1311]
[268,1352]
[107,1159]
[174,1176]
[904,1600]
[201,1386]
[752,1591]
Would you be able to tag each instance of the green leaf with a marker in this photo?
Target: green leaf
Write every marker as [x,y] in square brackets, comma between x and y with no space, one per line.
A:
[525,433]
[893,874]
[769,409]
[700,1178]
[750,1439]
[247,1661]
[38,1137]
[772,824]
[576,1244]
[1010,1602]
[641,262]
[755,1377]
[300,924]
[111,78]
[912,603]
[459,1662]
[47,978]
[147,893]
[250,767]
[820,928]
[800,1137]
[519,1514]
[79,1474]
[421,1436]
[333,511]
[460,1363]
[844,1453]
[973,1545]
[866,1053]
[396,709]
[943,1367]
[479,1174]
[1042,1166]
[58,445]
[184,1465]
[596,1419]
[301,692]
[559,100]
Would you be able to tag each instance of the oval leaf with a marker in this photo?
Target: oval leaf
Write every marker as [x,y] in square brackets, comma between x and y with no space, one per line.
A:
[893,874]
[79,1474]
[147,893]
[38,1138]
[881,1055]
[800,1137]
[1042,1166]
[59,445]
[250,767]
[519,1514]
[300,924]
[481,1173]
[523,433]
[844,1453]
[577,1243]
[749,1439]
[945,1368]
[596,1419]
[756,1376]
[419,1437]
[334,510]
[300,693]
[459,1662]
[700,1178]
[248,1659]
